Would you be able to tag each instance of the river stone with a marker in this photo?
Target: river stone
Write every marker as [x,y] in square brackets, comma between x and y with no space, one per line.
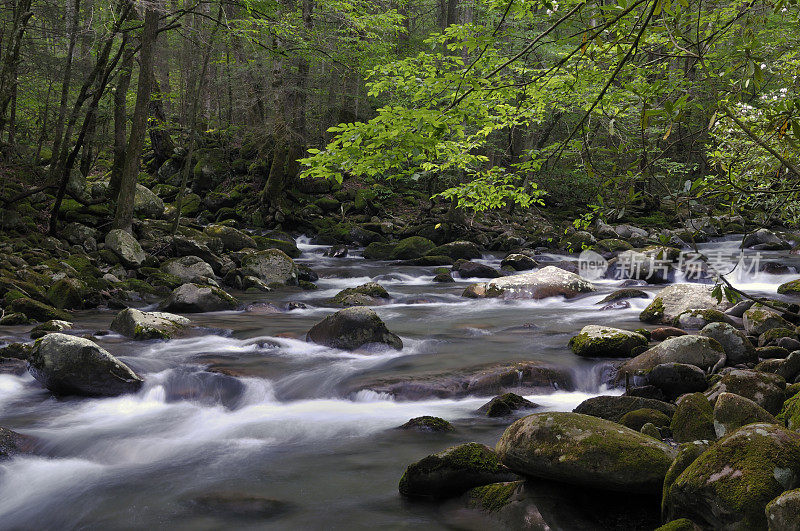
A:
[731,412]
[271,266]
[549,281]
[638,418]
[367,294]
[467,269]
[519,262]
[67,294]
[584,450]
[622,294]
[427,424]
[693,419]
[36,310]
[765,389]
[76,366]
[410,248]
[189,269]
[787,368]
[783,513]
[504,405]
[675,379]
[613,408]
[790,412]
[736,344]
[194,298]
[700,351]
[790,288]
[352,328]
[763,239]
[137,324]
[453,472]
[45,328]
[233,239]
[595,341]
[695,319]
[665,332]
[759,319]
[457,250]
[125,246]
[731,483]
[12,443]
[687,454]
[673,300]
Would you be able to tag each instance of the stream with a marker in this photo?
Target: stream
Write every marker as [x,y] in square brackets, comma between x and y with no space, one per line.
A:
[246,407]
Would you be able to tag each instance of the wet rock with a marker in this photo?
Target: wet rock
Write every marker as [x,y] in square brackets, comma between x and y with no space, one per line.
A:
[468,269]
[787,368]
[454,471]
[19,351]
[759,319]
[189,269]
[367,294]
[194,298]
[766,390]
[613,408]
[443,278]
[504,405]
[352,328]
[67,294]
[232,239]
[271,266]
[763,240]
[731,483]
[457,250]
[771,336]
[605,342]
[687,454]
[731,412]
[693,419]
[664,332]
[14,319]
[673,300]
[337,251]
[790,412]
[136,324]
[783,513]
[549,281]
[637,419]
[622,294]
[410,248]
[50,326]
[36,310]
[519,262]
[427,424]
[125,247]
[737,346]
[696,319]
[700,351]
[790,288]
[240,506]
[584,450]
[675,379]
[13,443]
[75,366]
[772,352]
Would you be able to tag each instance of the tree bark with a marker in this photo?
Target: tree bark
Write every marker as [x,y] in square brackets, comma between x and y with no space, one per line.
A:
[121,118]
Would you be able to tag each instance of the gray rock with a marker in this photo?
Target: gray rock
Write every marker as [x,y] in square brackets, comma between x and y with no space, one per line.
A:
[783,513]
[759,319]
[271,266]
[189,269]
[193,298]
[700,351]
[731,412]
[233,239]
[549,281]
[673,300]
[675,379]
[605,342]
[613,408]
[126,248]
[737,346]
[352,328]
[765,389]
[136,324]
[146,204]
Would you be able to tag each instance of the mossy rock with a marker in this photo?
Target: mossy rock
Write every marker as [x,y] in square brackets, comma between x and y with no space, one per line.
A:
[783,513]
[412,247]
[363,295]
[731,483]
[457,250]
[693,419]
[681,524]
[772,335]
[427,423]
[613,245]
[290,248]
[494,497]
[673,300]
[605,342]
[38,311]
[687,453]
[504,405]
[731,412]
[790,413]
[454,471]
[328,204]
[637,418]
[759,319]
[695,319]
[790,288]
[610,407]
[67,294]
[622,294]
[765,389]
[430,260]
[378,251]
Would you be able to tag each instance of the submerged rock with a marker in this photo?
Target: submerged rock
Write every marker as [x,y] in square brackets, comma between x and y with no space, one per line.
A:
[194,298]
[12,443]
[352,328]
[673,300]
[595,341]
[240,506]
[453,472]
[76,366]
[549,281]
[584,450]
[137,324]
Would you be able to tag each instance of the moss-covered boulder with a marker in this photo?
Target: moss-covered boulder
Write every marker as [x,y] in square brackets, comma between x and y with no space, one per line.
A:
[737,346]
[637,418]
[505,404]
[759,319]
[695,319]
[731,412]
[681,524]
[194,298]
[125,246]
[673,300]
[412,247]
[67,293]
[549,281]
[693,419]
[38,311]
[518,262]
[266,242]
[428,424]
[584,450]
[623,294]
[453,472]
[765,389]
[613,408]
[271,266]
[675,379]
[76,366]
[787,368]
[137,324]
[700,351]
[783,513]
[687,453]
[457,250]
[790,288]
[352,328]
[233,239]
[595,341]
[789,415]
[378,251]
[189,269]
[45,328]
[146,204]
[731,483]
[367,294]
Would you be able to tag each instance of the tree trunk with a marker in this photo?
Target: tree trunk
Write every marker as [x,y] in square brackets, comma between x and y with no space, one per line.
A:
[123,217]
[21,14]
[121,118]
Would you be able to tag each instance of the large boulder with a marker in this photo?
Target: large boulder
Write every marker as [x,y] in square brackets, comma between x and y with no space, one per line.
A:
[233,239]
[453,472]
[352,328]
[76,366]
[783,513]
[125,246]
[693,419]
[189,269]
[36,310]
[137,324]
[194,298]
[504,405]
[584,450]
[549,281]
[729,485]
[738,348]
[731,412]
[410,248]
[595,341]
[765,389]
[759,319]
[367,294]
[457,250]
[613,408]
[675,379]
[673,300]
[763,239]
[271,266]
[146,204]
[67,293]
[700,351]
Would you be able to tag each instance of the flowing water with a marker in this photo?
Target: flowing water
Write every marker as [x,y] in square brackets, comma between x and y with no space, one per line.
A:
[247,407]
